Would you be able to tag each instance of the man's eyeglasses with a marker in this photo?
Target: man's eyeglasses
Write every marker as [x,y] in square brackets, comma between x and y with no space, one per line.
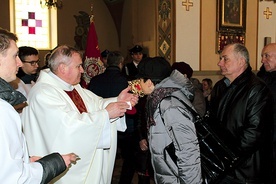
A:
[33,63]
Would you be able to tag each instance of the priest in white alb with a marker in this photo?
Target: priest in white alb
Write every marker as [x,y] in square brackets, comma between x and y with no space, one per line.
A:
[64,117]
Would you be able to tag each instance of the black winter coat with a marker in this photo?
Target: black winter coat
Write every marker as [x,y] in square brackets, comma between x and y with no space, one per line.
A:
[108,84]
[130,70]
[242,116]
[270,80]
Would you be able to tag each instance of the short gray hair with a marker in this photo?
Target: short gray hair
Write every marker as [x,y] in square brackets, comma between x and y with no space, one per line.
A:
[61,55]
[242,51]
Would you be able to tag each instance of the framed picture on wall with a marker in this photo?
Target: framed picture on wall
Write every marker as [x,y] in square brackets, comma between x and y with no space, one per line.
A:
[231,15]
[225,38]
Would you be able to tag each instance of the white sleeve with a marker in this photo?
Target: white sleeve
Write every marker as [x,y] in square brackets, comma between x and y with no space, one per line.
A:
[105,140]
[14,158]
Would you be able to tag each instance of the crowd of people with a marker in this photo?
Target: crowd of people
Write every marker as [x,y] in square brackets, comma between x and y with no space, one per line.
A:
[54,130]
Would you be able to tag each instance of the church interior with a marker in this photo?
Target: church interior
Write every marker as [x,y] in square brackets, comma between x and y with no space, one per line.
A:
[193,31]
[181,30]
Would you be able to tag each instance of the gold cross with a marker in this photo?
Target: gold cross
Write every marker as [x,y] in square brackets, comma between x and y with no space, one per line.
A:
[187,3]
[267,13]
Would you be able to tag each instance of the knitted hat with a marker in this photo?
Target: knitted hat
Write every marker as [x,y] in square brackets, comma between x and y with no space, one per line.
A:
[183,68]
[156,68]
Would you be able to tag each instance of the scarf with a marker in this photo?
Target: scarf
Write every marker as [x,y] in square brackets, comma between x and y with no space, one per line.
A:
[153,100]
[10,95]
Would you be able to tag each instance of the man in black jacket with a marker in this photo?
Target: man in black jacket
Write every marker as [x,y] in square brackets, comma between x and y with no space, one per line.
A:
[268,74]
[241,105]
[110,84]
[112,81]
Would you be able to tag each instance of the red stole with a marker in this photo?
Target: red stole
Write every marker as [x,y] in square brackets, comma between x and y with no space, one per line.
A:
[76,98]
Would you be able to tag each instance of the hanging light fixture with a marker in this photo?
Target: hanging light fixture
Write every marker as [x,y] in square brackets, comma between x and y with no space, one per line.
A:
[51,3]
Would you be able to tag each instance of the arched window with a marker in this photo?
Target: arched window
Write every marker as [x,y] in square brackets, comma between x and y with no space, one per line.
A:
[35,25]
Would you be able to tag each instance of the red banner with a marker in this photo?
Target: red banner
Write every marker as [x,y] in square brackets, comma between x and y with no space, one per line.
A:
[92,64]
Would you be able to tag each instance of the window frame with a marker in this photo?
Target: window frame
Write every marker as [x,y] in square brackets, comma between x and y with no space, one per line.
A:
[52,29]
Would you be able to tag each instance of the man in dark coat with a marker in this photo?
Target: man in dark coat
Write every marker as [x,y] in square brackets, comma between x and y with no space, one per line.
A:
[241,105]
[130,69]
[268,74]
[110,84]
[112,81]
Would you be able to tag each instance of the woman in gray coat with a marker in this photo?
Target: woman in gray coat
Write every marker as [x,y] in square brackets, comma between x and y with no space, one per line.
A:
[172,136]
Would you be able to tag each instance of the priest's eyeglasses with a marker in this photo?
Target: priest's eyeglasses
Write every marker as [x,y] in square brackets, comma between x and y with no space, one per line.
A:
[33,63]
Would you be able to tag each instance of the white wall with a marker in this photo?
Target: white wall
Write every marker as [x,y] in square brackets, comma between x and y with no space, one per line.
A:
[187,34]
[266,27]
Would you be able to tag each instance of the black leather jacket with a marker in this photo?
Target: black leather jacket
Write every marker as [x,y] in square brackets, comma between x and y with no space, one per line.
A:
[242,113]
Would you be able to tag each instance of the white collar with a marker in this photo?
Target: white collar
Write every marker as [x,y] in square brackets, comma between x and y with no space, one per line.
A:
[69,86]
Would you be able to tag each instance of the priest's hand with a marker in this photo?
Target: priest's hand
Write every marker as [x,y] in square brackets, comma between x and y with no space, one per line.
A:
[116,109]
[125,96]
[34,158]
[70,158]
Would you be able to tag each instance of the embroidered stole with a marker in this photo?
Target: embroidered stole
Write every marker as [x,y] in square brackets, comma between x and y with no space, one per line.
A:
[76,98]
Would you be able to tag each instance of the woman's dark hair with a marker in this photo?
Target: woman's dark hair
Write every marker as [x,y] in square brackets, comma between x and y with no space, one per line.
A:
[209,82]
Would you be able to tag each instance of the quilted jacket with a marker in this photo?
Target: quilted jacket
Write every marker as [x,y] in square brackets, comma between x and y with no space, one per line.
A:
[176,128]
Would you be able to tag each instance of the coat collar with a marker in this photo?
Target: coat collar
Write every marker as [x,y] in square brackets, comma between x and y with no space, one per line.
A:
[240,79]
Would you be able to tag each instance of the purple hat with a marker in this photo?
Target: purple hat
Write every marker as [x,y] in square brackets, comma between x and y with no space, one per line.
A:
[183,68]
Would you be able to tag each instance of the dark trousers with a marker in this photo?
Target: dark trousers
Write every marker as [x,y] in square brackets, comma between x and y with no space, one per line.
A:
[127,143]
[274,163]
[134,159]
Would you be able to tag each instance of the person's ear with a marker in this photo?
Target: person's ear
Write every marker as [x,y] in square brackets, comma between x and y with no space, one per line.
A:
[62,68]
[242,61]
[121,65]
[149,83]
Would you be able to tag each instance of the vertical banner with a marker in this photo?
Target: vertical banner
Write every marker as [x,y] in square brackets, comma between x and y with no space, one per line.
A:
[92,64]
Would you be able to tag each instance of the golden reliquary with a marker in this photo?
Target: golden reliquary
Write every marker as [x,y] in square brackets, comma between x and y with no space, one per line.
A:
[136,87]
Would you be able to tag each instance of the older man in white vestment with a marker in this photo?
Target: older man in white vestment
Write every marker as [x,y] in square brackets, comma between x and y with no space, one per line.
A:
[58,119]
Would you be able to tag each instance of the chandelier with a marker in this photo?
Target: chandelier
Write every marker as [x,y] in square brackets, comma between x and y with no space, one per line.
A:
[51,3]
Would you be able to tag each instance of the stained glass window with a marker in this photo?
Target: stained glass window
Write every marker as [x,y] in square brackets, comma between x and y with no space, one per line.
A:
[33,24]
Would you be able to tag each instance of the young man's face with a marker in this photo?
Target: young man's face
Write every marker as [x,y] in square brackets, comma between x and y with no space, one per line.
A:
[10,62]
[137,57]
[30,64]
